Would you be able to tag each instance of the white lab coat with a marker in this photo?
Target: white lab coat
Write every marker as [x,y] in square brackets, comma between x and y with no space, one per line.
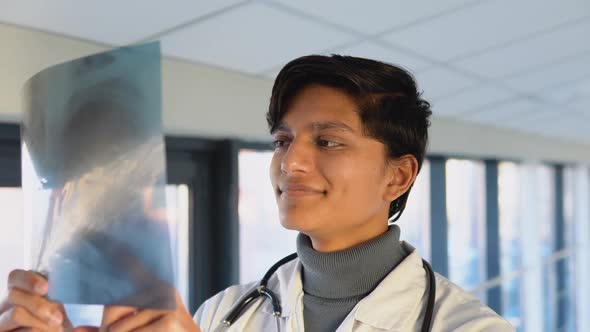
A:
[397,304]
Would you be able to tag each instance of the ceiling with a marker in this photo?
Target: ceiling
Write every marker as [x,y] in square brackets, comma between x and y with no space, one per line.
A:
[522,65]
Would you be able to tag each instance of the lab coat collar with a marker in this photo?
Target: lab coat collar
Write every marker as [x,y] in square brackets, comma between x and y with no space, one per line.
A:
[289,287]
[389,306]
[401,293]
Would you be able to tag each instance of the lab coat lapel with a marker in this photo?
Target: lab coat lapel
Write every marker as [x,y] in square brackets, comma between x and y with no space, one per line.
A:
[393,304]
[288,286]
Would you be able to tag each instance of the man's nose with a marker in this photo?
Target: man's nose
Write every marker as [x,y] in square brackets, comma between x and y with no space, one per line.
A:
[298,158]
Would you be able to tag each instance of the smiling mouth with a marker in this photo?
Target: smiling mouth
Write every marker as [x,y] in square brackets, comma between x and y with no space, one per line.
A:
[299,193]
[292,193]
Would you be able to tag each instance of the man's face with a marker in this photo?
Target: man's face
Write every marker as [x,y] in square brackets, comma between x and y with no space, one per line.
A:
[329,178]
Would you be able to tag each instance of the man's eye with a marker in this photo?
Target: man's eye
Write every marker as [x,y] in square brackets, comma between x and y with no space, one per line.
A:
[278,143]
[327,144]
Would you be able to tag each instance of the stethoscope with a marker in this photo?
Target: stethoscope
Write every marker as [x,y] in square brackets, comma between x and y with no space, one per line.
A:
[262,290]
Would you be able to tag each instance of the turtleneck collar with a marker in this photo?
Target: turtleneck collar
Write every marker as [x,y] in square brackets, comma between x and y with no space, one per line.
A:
[350,272]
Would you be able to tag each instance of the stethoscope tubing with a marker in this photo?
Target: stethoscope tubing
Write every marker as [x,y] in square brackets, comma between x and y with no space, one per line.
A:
[263,290]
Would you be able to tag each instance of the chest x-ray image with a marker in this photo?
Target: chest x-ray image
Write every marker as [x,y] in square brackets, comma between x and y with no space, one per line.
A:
[94,177]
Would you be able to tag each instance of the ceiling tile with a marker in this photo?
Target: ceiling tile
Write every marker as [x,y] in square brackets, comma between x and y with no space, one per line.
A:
[551,75]
[374,17]
[375,51]
[582,106]
[486,25]
[470,100]
[438,82]
[531,53]
[567,93]
[254,38]
[107,21]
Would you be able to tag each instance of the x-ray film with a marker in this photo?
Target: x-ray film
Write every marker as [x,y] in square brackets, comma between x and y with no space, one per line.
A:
[94,180]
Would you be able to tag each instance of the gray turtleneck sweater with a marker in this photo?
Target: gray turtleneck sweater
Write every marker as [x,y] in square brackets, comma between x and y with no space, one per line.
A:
[333,283]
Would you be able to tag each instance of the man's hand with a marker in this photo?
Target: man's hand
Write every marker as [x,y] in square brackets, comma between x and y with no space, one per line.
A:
[125,319]
[26,308]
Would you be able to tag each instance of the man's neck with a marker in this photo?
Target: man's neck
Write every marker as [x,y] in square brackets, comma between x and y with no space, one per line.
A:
[346,238]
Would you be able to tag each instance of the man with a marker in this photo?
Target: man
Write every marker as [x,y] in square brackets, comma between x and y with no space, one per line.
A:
[350,136]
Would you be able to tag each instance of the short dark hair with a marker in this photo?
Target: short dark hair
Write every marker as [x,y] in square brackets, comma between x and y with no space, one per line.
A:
[390,107]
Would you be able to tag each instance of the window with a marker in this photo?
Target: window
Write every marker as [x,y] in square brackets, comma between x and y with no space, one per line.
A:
[510,224]
[12,249]
[465,192]
[526,218]
[415,221]
[263,241]
[177,204]
[542,218]
[577,241]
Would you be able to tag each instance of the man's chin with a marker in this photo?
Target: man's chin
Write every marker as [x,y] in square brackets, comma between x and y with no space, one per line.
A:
[298,222]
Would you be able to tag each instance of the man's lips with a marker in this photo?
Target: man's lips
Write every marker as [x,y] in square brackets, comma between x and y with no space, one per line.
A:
[297,190]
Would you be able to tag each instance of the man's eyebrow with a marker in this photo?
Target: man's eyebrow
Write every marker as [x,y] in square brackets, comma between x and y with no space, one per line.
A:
[281,127]
[319,126]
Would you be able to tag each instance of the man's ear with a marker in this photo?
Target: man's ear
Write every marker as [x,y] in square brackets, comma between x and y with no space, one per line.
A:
[401,173]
